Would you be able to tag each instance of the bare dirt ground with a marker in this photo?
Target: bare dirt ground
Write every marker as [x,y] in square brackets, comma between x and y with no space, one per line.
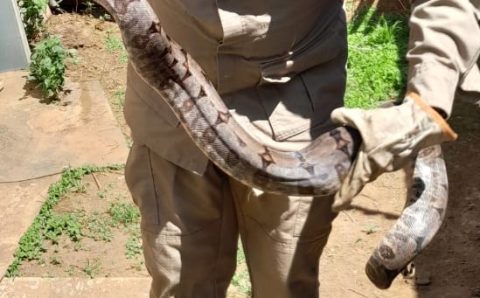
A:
[450,267]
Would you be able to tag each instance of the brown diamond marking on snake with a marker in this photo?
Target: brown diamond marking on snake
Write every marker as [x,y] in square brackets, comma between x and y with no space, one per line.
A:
[204,74]
[223,117]
[201,93]
[167,50]
[298,155]
[267,158]
[386,252]
[187,75]
[308,167]
[185,63]
[341,171]
[440,211]
[174,62]
[241,143]
[342,144]
[140,41]
[416,189]
[187,106]
[209,135]
[232,158]
[154,28]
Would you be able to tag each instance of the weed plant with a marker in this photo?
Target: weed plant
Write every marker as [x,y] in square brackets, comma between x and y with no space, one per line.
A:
[32,13]
[133,247]
[47,67]
[123,213]
[114,45]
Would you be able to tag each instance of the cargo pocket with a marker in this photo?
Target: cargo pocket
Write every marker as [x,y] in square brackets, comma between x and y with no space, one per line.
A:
[173,201]
[139,179]
[287,219]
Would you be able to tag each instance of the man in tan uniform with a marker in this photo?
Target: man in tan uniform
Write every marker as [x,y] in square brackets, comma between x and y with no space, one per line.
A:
[280,67]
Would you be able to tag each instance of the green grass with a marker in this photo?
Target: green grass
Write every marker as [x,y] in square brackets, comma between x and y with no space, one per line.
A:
[58,224]
[123,213]
[48,225]
[133,247]
[120,97]
[99,227]
[91,268]
[115,45]
[241,279]
[376,65]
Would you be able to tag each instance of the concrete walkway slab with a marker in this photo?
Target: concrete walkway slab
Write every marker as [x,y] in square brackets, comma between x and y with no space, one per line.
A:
[38,140]
[19,204]
[35,287]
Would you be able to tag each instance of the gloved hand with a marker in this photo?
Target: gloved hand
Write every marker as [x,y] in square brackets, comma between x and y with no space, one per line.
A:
[391,137]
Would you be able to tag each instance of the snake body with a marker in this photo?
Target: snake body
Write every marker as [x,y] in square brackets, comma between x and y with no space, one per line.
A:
[316,170]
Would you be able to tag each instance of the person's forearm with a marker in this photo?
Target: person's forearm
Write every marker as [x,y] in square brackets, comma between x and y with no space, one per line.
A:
[444,46]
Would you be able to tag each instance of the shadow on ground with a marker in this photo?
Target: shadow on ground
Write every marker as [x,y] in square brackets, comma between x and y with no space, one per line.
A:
[452,263]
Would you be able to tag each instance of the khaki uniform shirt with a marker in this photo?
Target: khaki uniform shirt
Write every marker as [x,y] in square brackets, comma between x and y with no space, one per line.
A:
[444,50]
[280,66]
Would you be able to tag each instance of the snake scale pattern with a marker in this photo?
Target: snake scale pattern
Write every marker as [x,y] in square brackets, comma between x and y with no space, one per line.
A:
[315,170]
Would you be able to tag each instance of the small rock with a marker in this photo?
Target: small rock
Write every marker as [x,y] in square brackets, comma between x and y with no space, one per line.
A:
[100,26]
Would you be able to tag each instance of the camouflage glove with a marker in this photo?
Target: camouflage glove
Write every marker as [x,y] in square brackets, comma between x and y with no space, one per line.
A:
[391,137]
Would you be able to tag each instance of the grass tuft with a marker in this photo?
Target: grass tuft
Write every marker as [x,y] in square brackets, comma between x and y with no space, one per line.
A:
[133,247]
[376,65]
[123,213]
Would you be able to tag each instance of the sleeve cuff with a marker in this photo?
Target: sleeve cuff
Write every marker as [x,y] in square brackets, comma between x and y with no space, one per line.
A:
[446,129]
[435,83]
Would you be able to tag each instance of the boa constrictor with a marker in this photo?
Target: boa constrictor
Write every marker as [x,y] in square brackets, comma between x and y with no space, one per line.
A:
[316,170]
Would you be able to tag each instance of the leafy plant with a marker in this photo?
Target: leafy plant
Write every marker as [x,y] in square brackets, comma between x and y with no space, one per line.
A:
[89,5]
[91,269]
[133,247]
[99,228]
[58,224]
[124,213]
[113,43]
[32,13]
[48,65]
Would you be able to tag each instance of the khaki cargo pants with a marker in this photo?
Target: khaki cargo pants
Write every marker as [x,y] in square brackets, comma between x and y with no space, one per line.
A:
[191,251]
[191,222]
